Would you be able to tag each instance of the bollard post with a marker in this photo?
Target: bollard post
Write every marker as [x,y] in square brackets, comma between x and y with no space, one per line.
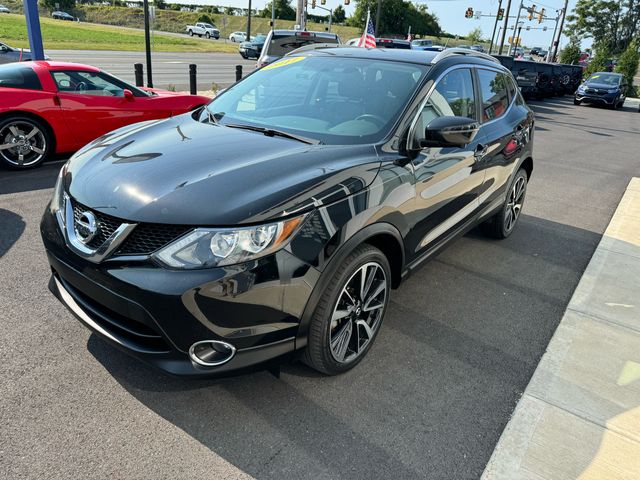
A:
[137,67]
[193,84]
[238,73]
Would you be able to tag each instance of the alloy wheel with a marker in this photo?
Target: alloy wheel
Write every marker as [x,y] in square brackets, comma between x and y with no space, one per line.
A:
[22,143]
[514,204]
[358,312]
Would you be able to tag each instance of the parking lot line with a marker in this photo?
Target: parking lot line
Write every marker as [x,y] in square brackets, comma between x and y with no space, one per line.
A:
[580,414]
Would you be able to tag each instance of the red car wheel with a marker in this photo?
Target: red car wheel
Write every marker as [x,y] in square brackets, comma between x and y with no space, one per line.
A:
[24,142]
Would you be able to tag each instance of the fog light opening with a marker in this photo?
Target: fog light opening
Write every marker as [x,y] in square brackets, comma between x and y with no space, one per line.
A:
[211,353]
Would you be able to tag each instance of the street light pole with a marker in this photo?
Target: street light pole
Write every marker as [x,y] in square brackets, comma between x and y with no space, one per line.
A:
[273,15]
[504,29]
[495,25]
[147,43]
[514,30]
[557,42]
[249,23]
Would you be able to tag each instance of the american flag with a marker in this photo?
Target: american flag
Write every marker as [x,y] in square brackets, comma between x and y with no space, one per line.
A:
[368,39]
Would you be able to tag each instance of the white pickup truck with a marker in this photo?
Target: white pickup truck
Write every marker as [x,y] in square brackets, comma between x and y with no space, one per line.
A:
[203,29]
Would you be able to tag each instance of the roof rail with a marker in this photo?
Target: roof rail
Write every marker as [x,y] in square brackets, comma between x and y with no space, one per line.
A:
[315,46]
[462,51]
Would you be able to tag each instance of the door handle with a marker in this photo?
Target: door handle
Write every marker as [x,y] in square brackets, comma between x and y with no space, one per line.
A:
[480,151]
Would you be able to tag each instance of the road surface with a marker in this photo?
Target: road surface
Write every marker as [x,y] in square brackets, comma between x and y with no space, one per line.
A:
[169,68]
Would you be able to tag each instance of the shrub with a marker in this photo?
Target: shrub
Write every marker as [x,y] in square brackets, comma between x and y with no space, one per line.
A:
[628,65]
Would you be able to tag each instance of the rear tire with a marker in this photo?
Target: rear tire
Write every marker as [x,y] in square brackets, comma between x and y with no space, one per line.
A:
[191,33]
[32,140]
[207,35]
[350,312]
[502,224]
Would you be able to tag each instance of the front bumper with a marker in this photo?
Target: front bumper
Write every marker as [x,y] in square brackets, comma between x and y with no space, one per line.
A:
[607,99]
[155,314]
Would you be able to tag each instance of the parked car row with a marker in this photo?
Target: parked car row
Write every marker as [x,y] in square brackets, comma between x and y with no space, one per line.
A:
[543,80]
[9,54]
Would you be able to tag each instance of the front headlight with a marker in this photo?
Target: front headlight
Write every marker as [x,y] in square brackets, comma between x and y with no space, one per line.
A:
[57,201]
[217,247]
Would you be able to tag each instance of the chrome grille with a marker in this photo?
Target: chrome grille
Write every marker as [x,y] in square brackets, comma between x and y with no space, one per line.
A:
[106,224]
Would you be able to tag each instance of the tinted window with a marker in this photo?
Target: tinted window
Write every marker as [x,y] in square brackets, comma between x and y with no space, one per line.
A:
[19,76]
[452,96]
[493,93]
[605,78]
[334,100]
[282,44]
[96,84]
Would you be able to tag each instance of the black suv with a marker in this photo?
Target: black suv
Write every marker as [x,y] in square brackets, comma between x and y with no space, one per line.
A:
[274,222]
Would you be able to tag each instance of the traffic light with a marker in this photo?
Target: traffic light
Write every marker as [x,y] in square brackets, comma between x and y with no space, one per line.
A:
[323,2]
[313,3]
[500,13]
[541,16]
[468,13]
[532,10]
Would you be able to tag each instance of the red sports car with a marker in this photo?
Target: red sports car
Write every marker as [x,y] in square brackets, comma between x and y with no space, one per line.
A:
[54,107]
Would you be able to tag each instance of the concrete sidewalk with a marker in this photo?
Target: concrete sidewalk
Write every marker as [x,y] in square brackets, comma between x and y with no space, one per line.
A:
[580,414]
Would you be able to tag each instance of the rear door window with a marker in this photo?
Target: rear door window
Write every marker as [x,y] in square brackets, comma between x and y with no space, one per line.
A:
[19,76]
[493,94]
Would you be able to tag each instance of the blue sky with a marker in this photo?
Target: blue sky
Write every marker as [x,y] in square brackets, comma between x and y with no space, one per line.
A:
[451,15]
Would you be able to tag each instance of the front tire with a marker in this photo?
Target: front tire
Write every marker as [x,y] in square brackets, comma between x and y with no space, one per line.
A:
[24,142]
[350,312]
[576,102]
[502,224]
[207,35]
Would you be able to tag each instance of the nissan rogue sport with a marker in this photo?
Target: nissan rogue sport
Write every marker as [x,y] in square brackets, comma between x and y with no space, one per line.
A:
[273,223]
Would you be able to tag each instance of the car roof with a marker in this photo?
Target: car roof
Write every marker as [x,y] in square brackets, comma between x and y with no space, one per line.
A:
[64,66]
[423,57]
[607,73]
[300,32]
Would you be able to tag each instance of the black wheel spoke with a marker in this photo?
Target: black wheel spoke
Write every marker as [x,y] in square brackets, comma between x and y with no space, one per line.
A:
[358,312]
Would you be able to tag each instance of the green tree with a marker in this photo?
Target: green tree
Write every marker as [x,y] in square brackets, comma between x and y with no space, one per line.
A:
[395,18]
[571,53]
[63,4]
[284,10]
[160,4]
[339,15]
[628,65]
[229,11]
[616,22]
[475,35]
[600,60]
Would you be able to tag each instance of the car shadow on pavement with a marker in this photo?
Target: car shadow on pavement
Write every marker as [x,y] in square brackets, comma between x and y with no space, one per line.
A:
[461,339]
[12,181]
[12,227]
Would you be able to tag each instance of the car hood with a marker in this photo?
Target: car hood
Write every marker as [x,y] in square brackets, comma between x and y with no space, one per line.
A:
[181,171]
[600,86]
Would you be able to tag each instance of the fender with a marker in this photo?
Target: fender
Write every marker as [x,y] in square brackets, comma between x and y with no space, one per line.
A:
[338,257]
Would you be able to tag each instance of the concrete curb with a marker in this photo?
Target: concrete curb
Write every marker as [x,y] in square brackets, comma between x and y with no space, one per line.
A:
[580,414]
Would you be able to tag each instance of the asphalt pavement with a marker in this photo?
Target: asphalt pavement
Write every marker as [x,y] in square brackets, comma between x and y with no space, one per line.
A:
[461,340]
[168,68]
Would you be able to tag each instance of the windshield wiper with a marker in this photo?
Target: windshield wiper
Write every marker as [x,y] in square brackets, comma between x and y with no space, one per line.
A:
[270,132]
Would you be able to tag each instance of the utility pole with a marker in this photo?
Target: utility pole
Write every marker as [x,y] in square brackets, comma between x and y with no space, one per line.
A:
[249,23]
[300,14]
[273,16]
[514,30]
[377,18]
[553,38]
[147,43]
[495,25]
[504,29]
[557,41]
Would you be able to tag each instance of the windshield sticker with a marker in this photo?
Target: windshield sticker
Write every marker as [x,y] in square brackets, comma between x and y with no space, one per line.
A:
[283,63]
[595,76]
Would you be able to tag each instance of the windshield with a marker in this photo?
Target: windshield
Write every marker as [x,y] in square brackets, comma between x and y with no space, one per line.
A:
[605,78]
[207,25]
[333,100]
[282,44]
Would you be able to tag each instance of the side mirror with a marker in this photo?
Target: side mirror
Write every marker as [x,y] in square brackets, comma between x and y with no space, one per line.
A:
[449,132]
[128,95]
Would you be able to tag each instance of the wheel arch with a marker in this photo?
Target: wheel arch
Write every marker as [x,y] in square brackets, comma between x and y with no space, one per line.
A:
[527,164]
[385,237]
